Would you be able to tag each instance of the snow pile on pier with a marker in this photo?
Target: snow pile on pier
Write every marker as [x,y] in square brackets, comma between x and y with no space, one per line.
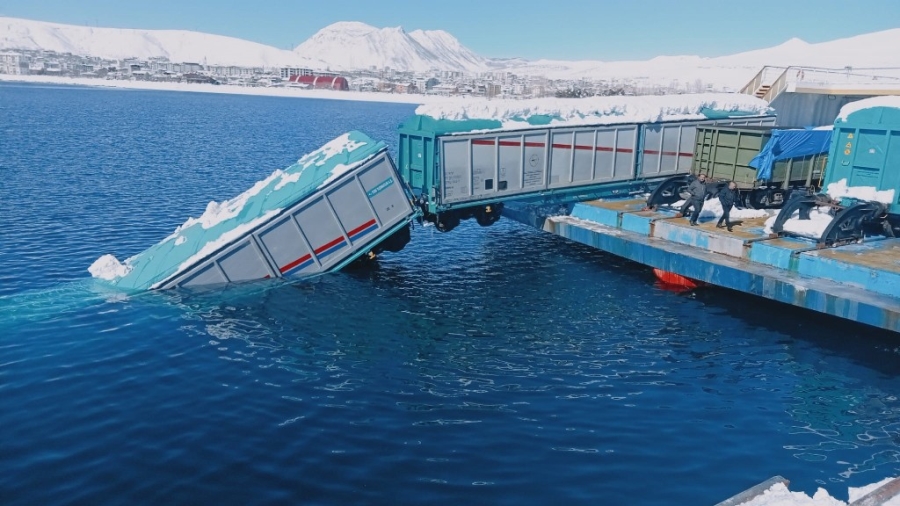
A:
[225,222]
[814,227]
[598,110]
[820,218]
[712,209]
[779,495]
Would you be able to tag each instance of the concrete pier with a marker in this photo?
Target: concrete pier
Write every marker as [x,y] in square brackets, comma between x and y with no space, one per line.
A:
[859,282]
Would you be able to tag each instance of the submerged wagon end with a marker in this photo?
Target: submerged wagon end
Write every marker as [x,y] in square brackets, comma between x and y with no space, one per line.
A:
[334,205]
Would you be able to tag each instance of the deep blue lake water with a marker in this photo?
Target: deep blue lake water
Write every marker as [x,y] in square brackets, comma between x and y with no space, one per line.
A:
[492,365]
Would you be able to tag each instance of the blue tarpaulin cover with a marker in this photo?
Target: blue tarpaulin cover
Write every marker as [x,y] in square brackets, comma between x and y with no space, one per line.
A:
[791,143]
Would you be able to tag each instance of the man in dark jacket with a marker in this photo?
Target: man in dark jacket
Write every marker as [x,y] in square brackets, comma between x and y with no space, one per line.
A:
[728,197]
[697,189]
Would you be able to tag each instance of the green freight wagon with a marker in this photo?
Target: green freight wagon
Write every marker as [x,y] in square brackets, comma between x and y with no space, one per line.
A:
[796,159]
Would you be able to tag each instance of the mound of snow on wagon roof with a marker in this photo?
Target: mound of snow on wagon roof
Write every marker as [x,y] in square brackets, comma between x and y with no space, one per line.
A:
[868,103]
[225,222]
[598,110]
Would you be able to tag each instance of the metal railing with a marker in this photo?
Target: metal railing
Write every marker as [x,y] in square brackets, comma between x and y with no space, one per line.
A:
[777,87]
[846,75]
[764,76]
[817,76]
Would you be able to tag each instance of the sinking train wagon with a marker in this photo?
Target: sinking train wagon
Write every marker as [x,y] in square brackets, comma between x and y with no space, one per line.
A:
[466,159]
[334,205]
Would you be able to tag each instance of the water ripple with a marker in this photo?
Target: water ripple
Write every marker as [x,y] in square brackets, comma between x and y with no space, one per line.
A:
[491,365]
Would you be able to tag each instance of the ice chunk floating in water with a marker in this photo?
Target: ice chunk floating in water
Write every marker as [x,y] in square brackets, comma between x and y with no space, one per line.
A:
[281,197]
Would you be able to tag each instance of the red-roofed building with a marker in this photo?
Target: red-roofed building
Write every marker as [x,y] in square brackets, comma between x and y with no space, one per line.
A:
[322,82]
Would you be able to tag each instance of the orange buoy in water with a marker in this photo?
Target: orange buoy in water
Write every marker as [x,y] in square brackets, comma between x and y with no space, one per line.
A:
[670,278]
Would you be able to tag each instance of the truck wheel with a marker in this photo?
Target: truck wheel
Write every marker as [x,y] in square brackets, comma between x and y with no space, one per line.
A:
[446,221]
[747,199]
[758,199]
[488,215]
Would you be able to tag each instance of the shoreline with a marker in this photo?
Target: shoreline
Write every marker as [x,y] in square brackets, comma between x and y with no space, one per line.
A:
[227,89]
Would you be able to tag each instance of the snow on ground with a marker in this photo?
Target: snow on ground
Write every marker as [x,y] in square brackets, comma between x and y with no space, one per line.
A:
[820,218]
[779,495]
[868,103]
[814,227]
[712,209]
[352,45]
[359,96]
[119,43]
[840,189]
[595,110]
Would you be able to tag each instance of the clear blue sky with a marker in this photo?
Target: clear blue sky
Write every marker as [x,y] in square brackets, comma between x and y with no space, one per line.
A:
[558,29]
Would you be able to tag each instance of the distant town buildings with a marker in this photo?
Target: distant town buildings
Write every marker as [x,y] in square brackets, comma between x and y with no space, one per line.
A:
[328,82]
[499,84]
[9,63]
[288,72]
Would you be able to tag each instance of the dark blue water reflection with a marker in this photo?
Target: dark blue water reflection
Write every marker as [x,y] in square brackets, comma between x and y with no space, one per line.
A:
[491,365]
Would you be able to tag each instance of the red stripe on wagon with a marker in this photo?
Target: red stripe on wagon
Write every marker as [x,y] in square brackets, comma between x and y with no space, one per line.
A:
[296,262]
[361,227]
[617,150]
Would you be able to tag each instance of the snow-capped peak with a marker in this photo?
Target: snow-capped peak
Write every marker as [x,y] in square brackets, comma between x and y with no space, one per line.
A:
[354,45]
[116,43]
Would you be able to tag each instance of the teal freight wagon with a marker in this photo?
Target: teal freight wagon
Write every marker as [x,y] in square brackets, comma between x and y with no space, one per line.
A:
[470,161]
[862,177]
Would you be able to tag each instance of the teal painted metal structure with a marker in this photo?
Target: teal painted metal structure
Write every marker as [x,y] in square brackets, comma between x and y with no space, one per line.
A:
[865,152]
[418,156]
[331,207]
[859,282]
[419,167]
[421,137]
[851,278]
[865,149]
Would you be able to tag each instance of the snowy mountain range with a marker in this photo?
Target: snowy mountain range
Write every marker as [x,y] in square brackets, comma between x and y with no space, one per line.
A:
[354,46]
